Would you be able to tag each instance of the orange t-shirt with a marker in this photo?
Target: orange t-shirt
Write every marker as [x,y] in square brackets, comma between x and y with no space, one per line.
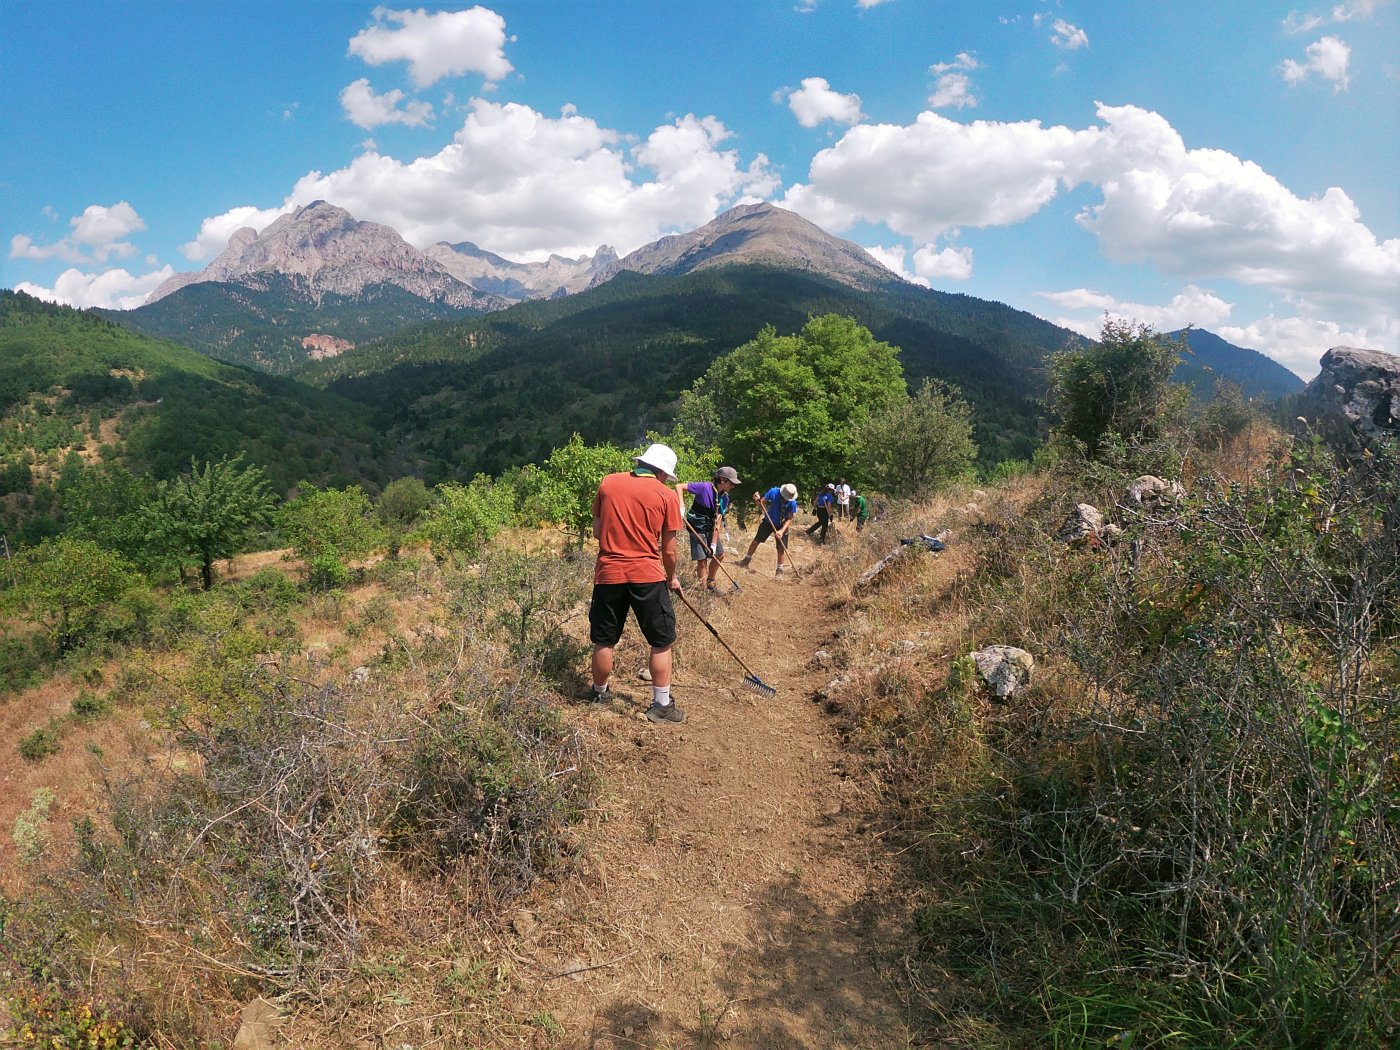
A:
[632,512]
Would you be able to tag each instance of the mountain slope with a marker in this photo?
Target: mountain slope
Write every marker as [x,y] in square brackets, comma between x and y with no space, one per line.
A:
[315,271]
[70,381]
[1257,376]
[758,233]
[609,363]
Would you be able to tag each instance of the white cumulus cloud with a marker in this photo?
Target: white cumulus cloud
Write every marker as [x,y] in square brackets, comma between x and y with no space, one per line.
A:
[437,45]
[1190,306]
[949,264]
[1328,57]
[1068,37]
[363,107]
[892,259]
[528,186]
[99,233]
[215,231]
[953,88]
[1193,213]
[815,102]
[113,289]
[1299,342]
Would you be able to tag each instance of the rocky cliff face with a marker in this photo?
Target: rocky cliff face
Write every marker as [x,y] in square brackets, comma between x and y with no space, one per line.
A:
[324,249]
[491,274]
[757,233]
[1355,399]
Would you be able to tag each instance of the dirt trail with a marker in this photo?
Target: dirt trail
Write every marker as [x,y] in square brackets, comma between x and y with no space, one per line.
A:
[734,886]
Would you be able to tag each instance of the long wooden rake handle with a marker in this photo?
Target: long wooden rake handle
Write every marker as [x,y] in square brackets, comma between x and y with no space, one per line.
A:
[782,544]
[710,551]
[752,679]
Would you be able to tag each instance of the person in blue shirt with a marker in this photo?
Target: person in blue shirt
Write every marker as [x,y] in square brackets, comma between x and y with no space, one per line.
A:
[779,508]
[826,499]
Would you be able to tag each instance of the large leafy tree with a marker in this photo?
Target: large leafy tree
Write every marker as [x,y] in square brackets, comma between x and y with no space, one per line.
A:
[916,445]
[210,511]
[1118,390]
[782,407]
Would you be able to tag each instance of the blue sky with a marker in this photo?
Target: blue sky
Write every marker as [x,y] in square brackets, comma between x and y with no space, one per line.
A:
[1231,164]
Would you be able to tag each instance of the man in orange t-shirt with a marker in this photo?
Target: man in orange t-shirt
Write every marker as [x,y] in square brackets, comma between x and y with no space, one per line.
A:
[635,519]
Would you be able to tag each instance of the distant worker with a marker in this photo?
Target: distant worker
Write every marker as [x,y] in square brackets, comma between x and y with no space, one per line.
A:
[709,502]
[843,500]
[862,510]
[779,508]
[826,499]
[636,519]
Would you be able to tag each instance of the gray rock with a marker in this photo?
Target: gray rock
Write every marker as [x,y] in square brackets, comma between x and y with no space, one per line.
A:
[1006,669]
[821,658]
[1355,399]
[1082,525]
[1155,493]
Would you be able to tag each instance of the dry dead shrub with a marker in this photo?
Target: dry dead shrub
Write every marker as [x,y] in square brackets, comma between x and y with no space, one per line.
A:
[298,806]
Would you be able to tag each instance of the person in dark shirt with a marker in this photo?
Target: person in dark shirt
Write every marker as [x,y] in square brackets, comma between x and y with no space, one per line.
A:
[709,502]
[826,499]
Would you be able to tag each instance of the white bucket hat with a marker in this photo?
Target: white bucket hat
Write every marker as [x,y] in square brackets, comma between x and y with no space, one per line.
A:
[660,458]
[789,491]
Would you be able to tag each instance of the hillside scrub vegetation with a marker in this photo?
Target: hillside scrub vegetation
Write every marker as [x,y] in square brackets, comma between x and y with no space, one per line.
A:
[325,781]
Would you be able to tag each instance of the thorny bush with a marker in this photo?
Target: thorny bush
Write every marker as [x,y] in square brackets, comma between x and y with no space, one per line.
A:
[1199,840]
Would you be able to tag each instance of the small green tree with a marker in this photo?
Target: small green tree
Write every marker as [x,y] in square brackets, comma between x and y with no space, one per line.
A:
[66,586]
[399,507]
[914,446]
[210,512]
[462,518]
[782,407]
[327,527]
[1118,390]
[574,472]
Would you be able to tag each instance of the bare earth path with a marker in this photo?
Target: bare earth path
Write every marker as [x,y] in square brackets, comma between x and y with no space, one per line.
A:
[734,888]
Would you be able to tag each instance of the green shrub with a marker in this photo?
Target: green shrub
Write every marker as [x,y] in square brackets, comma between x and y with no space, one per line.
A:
[326,572]
[40,744]
[31,831]
[88,705]
[269,590]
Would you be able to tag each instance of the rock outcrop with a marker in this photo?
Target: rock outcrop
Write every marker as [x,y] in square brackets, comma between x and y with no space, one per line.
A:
[1355,399]
[1006,669]
[323,250]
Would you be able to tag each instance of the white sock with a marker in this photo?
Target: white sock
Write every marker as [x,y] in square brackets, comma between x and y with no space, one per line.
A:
[600,689]
[661,695]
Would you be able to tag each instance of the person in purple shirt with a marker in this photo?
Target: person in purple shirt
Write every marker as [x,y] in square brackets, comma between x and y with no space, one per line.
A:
[779,508]
[707,505]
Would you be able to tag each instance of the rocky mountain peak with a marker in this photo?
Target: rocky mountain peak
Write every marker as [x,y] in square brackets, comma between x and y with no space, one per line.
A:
[757,233]
[324,249]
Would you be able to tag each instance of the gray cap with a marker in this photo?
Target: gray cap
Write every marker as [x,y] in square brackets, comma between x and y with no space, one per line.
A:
[728,474]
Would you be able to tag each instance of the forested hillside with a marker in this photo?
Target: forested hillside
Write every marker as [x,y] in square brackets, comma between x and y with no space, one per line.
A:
[263,329]
[76,388]
[486,394]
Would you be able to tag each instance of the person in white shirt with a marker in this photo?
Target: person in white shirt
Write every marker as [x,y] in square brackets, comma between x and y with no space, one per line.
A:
[843,500]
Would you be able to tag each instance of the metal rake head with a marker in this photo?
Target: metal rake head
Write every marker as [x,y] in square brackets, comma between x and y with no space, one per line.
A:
[756,684]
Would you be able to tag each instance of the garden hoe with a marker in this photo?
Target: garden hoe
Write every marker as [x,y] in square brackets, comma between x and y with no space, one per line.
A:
[751,681]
